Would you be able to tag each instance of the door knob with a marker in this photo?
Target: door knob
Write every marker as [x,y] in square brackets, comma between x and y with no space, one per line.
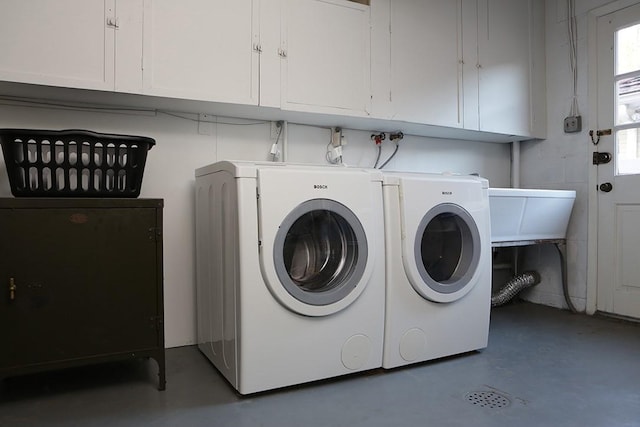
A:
[606,187]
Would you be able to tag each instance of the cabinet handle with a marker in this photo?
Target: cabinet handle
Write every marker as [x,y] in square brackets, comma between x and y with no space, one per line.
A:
[113,23]
[12,289]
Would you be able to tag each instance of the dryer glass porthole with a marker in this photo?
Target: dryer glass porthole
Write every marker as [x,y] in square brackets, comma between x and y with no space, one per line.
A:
[320,252]
[447,248]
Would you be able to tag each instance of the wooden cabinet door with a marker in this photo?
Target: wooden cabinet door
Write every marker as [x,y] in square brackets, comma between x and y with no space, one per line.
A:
[504,50]
[326,57]
[202,50]
[85,283]
[426,62]
[58,42]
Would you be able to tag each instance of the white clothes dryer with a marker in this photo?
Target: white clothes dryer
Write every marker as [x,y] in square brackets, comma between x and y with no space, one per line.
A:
[438,266]
[290,272]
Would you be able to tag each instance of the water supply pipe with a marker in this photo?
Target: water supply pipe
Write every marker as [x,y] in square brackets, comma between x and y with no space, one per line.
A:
[515,164]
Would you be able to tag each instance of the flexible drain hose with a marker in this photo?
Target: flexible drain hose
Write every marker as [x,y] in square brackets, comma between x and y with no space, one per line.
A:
[565,284]
[514,286]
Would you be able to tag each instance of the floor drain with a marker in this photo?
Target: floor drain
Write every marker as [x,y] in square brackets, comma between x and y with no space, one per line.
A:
[488,399]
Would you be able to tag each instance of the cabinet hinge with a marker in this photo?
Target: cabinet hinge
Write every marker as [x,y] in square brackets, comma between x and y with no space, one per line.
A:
[154,233]
[156,322]
[113,22]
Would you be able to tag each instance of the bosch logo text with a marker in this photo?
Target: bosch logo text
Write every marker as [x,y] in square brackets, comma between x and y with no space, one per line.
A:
[447,193]
[320,187]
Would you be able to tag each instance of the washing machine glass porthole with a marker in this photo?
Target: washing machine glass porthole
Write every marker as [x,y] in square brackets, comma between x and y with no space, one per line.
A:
[447,248]
[320,252]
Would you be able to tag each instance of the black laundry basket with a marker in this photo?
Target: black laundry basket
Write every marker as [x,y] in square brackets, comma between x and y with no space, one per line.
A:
[74,163]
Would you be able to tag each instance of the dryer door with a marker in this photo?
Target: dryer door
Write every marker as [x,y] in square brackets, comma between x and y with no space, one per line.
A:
[447,253]
[320,255]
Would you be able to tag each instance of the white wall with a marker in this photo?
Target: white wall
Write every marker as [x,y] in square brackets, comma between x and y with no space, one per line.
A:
[180,149]
[562,160]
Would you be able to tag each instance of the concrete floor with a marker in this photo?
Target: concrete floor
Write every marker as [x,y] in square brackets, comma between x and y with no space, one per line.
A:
[543,367]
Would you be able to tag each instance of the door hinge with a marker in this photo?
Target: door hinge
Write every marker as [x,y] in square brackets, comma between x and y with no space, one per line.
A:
[601,158]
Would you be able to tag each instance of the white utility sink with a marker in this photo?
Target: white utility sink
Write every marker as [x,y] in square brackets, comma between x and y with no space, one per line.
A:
[519,215]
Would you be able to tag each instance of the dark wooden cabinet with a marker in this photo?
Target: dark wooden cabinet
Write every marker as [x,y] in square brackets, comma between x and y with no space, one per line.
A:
[81,283]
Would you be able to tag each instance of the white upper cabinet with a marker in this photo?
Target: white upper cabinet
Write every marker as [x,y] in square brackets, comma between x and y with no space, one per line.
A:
[301,55]
[59,42]
[201,50]
[325,52]
[510,67]
[456,64]
[426,62]
[471,64]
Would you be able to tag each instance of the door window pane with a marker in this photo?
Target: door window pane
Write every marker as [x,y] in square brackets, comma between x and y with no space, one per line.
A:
[628,49]
[628,101]
[627,115]
[628,152]
[442,244]
[320,251]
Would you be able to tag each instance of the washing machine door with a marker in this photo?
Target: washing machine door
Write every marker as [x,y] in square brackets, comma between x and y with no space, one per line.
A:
[447,253]
[320,255]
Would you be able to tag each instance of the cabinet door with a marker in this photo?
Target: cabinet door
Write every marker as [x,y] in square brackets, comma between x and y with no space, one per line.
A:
[128,66]
[504,50]
[426,69]
[58,42]
[86,283]
[326,57]
[201,49]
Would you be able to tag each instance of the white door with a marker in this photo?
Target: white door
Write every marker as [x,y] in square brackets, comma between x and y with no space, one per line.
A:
[618,247]
[445,253]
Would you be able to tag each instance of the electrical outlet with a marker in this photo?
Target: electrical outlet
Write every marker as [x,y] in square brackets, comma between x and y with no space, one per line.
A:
[205,124]
[336,137]
[572,124]
[276,129]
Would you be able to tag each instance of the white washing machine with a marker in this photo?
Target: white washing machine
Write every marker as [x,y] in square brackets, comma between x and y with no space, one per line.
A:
[290,272]
[438,266]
